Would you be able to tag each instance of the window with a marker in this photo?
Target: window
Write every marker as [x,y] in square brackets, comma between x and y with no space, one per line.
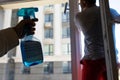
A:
[49,33]
[65,17]
[49,17]
[67,67]
[66,49]
[66,32]
[48,68]
[48,6]
[48,49]
[63,5]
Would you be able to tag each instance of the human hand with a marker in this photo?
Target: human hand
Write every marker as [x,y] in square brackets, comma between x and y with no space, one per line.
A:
[24,27]
[117,19]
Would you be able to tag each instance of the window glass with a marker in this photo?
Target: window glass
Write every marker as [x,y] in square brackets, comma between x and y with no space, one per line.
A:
[65,17]
[48,49]
[66,48]
[116,28]
[66,32]
[49,17]
[53,62]
[48,6]
[49,33]
[66,67]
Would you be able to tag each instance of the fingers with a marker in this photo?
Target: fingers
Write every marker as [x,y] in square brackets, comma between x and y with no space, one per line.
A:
[31,31]
[30,21]
[25,27]
[35,19]
[30,26]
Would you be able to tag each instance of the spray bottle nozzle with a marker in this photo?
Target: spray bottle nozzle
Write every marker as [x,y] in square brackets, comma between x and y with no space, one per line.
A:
[27,13]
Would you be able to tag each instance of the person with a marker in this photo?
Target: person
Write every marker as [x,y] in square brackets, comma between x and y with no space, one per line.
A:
[9,37]
[89,21]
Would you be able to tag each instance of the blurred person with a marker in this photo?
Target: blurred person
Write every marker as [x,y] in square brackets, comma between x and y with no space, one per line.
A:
[89,21]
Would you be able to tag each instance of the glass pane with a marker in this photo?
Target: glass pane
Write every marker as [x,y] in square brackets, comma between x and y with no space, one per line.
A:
[66,67]
[65,17]
[49,33]
[51,48]
[48,17]
[48,49]
[116,30]
[66,48]
[52,67]
[48,7]
[66,32]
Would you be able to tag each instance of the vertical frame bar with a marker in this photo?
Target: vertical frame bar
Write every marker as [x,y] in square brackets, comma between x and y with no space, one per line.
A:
[75,42]
[111,65]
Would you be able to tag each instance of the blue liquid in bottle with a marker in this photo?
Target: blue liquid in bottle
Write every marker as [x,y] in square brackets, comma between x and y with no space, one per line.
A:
[31,52]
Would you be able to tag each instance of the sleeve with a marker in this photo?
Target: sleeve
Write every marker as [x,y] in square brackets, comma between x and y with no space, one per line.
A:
[115,15]
[8,40]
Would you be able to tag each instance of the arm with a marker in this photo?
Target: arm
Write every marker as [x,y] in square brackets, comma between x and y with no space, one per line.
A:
[9,38]
[117,19]
[115,15]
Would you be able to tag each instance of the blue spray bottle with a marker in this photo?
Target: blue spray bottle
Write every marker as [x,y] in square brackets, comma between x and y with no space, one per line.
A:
[30,46]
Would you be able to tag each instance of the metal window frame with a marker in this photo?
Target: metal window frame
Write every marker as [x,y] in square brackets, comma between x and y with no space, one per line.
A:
[76,52]
[111,64]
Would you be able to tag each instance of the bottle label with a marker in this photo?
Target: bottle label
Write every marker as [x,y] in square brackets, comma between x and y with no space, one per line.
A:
[31,51]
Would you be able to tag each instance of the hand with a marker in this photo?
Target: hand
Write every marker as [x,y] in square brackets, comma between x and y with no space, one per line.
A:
[117,19]
[25,27]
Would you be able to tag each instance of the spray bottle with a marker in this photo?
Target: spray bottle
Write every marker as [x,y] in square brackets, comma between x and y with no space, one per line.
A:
[31,48]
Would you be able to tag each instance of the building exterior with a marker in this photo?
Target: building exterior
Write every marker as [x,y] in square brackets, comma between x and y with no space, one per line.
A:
[53,31]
